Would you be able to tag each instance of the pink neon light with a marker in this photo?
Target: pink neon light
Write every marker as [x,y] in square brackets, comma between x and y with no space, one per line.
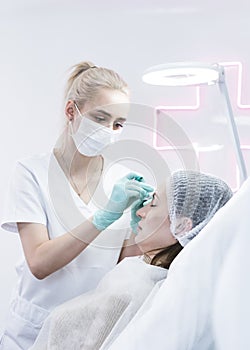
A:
[197,103]
[196,106]
[239,82]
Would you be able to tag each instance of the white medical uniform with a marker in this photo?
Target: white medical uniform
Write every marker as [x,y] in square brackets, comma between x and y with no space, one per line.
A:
[40,193]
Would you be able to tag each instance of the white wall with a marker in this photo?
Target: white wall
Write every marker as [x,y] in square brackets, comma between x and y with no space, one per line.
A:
[40,40]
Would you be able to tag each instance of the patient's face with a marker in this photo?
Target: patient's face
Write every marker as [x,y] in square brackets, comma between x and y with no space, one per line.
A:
[154,226]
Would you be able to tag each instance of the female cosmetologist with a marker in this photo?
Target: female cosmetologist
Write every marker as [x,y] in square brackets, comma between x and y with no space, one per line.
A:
[55,232]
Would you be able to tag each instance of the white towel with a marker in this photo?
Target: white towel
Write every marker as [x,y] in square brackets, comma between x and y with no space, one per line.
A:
[86,321]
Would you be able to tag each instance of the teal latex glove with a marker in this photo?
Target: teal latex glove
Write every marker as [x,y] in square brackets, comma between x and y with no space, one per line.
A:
[134,208]
[127,190]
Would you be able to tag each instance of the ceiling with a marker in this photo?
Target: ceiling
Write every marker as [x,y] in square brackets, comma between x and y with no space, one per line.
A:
[40,40]
[156,6]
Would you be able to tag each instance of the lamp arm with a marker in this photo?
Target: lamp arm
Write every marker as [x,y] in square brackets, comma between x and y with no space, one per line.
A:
[233,128]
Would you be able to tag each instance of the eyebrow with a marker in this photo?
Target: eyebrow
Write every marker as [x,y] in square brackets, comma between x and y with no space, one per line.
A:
[108,114]
[103,112]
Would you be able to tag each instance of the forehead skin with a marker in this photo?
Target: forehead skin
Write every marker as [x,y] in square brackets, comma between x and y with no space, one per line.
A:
[114,102]
[162,194]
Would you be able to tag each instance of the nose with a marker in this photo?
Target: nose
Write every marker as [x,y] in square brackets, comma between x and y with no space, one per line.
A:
[141,213]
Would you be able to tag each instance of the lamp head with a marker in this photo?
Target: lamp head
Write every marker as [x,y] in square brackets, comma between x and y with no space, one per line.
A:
[183,74]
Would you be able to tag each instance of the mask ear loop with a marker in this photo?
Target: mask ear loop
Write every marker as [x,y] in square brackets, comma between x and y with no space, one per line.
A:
[78,110]
[70,128]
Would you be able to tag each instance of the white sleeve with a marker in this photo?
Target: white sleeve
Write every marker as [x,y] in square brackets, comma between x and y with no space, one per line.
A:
[231,311]
[24,202]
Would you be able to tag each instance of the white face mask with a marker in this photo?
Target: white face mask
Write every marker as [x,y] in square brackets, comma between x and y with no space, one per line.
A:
[91,138]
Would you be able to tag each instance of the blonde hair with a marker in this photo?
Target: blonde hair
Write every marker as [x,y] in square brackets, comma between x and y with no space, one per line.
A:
[86,80]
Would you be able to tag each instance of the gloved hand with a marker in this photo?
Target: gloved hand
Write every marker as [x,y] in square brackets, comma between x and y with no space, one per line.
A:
[136,206]
[127,190]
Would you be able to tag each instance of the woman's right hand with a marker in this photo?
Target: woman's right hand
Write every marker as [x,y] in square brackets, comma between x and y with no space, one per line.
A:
[127,190]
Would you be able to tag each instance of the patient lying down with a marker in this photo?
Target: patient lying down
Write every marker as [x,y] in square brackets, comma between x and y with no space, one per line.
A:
[177,213]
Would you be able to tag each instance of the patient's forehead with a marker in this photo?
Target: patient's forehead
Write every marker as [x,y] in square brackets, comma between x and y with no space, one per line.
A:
[161,192]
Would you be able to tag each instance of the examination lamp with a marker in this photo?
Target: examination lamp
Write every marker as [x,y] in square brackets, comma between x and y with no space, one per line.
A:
[193,74]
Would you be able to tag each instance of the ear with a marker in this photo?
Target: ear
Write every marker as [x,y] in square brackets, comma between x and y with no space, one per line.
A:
[70,110]
[184,225]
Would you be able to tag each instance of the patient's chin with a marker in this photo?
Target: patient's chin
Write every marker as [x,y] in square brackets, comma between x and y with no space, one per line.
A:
[144,245]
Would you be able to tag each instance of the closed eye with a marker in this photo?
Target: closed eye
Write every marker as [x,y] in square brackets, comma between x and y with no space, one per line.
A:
[153,204]
[100,119]
[149,200]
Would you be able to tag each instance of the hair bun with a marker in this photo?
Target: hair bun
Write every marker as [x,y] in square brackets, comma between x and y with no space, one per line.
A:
[80,68]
